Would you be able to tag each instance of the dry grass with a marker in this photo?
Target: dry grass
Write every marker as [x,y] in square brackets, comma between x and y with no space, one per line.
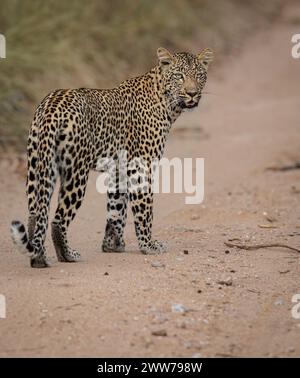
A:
[61,43]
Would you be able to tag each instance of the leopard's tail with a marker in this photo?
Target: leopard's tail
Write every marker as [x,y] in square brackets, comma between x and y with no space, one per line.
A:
[20,238]
[41,177]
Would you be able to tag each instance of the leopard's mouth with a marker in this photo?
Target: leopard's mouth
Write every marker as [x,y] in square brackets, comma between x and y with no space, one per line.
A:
[189,104]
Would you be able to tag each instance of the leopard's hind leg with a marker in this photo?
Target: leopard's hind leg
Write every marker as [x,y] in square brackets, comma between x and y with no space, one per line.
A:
[41,179]
[45,179]
[71,194]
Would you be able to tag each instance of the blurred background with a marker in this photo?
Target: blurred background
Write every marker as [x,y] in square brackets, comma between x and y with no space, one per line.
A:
[59,43]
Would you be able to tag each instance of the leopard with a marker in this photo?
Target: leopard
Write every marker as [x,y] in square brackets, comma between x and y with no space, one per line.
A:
[73,129]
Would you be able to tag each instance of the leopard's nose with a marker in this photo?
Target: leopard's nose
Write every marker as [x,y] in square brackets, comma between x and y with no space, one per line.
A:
[191,92]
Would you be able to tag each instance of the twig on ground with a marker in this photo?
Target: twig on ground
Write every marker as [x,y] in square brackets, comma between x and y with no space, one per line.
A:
[267,226]
[283,168]
[259,246]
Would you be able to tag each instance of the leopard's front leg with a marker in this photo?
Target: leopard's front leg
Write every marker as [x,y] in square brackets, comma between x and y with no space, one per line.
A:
[142,208]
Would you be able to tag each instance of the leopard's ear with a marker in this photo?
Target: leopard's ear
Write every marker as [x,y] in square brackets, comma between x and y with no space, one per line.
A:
[206,57]
[165,58]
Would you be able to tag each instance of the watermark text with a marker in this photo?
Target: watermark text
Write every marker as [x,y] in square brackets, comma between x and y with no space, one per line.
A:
[296,46]
[2,47]
[2,307]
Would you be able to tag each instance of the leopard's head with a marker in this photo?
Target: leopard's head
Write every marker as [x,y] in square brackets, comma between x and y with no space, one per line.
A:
[184,75]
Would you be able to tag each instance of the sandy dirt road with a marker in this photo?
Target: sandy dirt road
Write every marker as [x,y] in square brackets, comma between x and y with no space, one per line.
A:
[236,302]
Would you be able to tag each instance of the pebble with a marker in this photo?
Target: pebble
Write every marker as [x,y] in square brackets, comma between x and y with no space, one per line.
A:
[270,217]
[227,281]
[284,271]
[159,318]
[185,251]
[192,345]
[157,264]
[278,302]
[178,307]
[160,332]
[196,355]
[182,325]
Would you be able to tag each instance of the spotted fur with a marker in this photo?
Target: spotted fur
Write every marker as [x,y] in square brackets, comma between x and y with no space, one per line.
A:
[72,129]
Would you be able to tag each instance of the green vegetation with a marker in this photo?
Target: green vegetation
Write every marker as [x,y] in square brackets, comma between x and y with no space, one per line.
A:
[96,43]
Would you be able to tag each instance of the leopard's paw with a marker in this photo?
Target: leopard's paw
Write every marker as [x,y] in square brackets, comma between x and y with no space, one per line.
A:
[154,247]
[70,255]
[113,247]
[67,254]
[40,262]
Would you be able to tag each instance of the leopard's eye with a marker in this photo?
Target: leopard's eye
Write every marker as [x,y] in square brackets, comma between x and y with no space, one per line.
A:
[200,76]
[178,76]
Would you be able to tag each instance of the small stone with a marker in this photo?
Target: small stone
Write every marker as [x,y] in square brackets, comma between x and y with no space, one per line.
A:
[160,332]
[199,291]
[227,251]
[106,274]
[182,325]
[159,318]
[284,271]
[269,217]
[157,264]
[227,281]
[185,251]
[278,302]
[188,345]
[196,355]
[147,342]
[291,350]
[178,307]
